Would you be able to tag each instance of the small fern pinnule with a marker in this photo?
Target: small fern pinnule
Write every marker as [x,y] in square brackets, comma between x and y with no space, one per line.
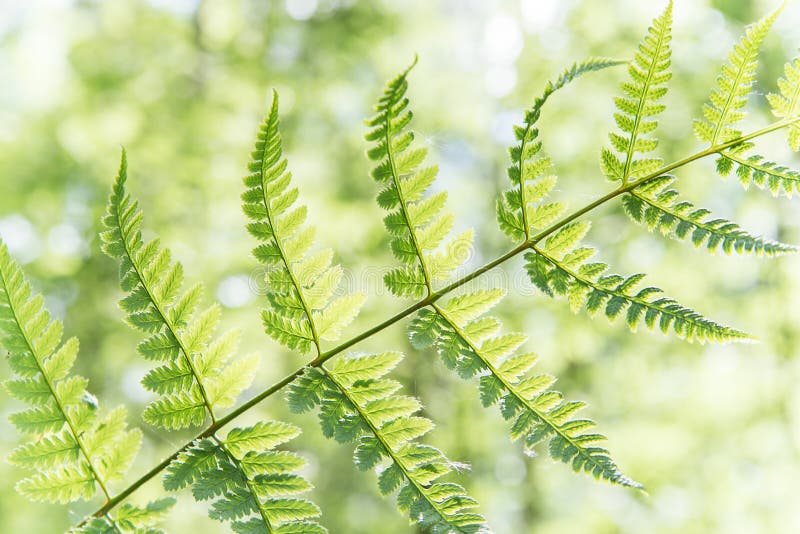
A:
[195,375]
[73,452]
[357,403]
[130,519]
[303,310]
[637,109]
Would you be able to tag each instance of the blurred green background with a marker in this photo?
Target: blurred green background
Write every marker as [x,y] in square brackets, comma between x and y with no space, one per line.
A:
[712,431]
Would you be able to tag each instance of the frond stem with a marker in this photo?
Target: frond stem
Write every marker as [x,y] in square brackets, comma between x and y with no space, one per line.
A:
[112,522]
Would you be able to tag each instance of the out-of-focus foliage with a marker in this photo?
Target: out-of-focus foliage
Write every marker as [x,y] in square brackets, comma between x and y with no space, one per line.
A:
[712,432]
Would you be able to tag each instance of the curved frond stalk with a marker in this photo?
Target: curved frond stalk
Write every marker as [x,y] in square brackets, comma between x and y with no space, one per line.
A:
[302,308]
[418,224]
[657,206]
[758,171]
[196,375]
[130,519]
[73,452]
[649,73]
[786,105]
[469,343]
[723,111]
[357,403]
[250,483]
[527,167]
[561,266]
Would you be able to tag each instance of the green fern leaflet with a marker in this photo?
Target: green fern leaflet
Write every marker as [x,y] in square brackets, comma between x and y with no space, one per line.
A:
[73,452]
[637,109]
[250,484]
[417,223]
[357,403]
[517,213]
[469,343]
[195,374]
[302,310]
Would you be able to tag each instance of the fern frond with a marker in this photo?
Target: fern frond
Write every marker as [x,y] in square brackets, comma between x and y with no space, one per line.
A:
[130,519]
[73,452]
[639,105]
[301,285]
[469,343]
[527,167]
[250,484]
[656,206]
[195,375]
[561,266]
[418,224]
[723,111]
[357,403]
[757,170]
[786,105]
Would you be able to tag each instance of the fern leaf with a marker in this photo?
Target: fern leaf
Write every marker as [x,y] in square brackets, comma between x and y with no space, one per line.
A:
[755,169]
[301,284]
[723,111]
[64,467]
[637,108]
[527,171]
[758,171]
[567,271]
[538,413]
[419,226]
[197,374]
[358,404]
[72,453]
[786,104]
[250,484]
[657,206]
